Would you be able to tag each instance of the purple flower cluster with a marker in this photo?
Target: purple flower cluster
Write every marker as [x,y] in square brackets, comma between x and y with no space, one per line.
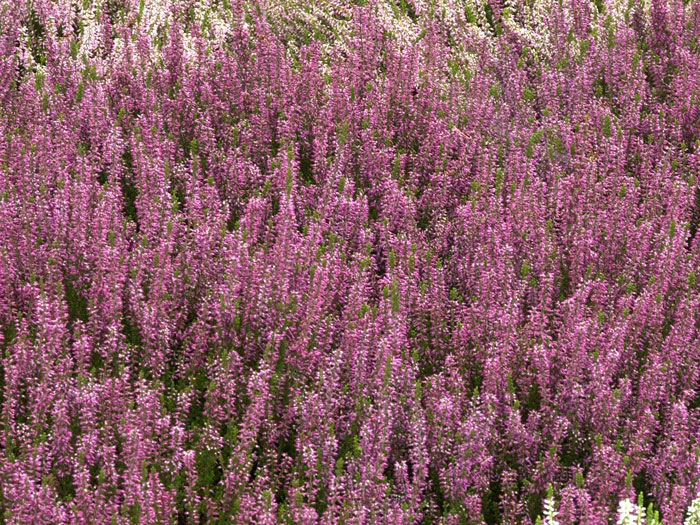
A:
[414,261]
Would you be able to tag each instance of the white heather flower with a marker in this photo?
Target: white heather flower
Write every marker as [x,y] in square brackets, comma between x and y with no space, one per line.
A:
[189,48]
[403,29]
[90,37]
[550,514]
[693,517]
[627,513]
[156,16]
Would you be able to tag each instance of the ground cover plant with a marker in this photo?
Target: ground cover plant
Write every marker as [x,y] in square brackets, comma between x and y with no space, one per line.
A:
[414,261]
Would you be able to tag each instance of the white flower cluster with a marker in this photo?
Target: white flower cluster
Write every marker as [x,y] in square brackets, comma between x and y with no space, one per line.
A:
[629,514]
[399,25]
[693,517]
[90,37]
[155,16]
[550,514]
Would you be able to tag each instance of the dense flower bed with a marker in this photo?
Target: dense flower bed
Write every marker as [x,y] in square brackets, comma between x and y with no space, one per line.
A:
[425,261]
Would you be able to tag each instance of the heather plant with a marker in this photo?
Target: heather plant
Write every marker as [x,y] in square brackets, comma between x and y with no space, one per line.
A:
[693,516]
[421,261]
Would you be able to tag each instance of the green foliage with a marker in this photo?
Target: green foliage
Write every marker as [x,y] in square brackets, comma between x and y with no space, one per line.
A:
[606,126]
[532,142]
